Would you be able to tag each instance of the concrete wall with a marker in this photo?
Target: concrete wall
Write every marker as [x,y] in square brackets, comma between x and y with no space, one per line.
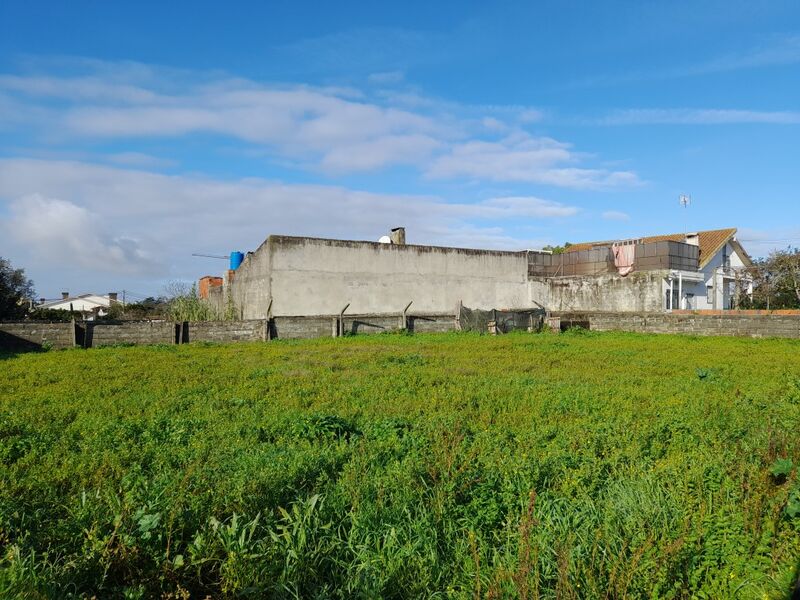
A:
[639,291]
[726,324]
[31,335]
[306,276]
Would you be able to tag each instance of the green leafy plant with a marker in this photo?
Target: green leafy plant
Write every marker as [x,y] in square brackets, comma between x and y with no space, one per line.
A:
[781,468]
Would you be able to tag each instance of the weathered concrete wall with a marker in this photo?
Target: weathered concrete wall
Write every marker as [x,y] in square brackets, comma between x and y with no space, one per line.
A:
[305,276]
[726,324]
[31,335]
[638,292]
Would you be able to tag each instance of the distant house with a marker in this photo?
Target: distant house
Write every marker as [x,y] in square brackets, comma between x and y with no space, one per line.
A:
[720,274]
[88,305]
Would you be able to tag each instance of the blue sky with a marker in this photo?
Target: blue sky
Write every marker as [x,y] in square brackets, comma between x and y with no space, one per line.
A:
[133,134]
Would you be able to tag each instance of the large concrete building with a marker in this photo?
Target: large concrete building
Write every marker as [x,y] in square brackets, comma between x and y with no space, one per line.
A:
[293,276]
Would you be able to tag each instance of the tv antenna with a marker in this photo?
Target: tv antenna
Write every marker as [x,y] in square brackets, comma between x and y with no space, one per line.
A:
[685,200]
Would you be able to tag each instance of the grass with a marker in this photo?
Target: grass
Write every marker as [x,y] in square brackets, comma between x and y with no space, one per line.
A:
[449,466]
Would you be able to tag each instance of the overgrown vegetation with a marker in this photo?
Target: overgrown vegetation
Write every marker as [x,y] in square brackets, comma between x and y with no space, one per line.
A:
[188,306]
[451,466]
[776,281]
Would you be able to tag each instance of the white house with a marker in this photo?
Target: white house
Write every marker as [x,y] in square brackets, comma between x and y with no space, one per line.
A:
[89,305]
[720,273]
[723,270]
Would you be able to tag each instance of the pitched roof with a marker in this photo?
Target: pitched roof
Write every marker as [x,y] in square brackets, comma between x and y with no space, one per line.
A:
[711,242]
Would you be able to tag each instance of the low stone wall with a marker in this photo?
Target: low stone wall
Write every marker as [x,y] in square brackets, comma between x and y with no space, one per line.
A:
[291,328]
[223,331]
[33,335]
[107,333]
[725,324]
[431,323]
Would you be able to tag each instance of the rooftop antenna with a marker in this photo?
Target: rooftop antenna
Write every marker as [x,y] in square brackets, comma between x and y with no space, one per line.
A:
[685,200]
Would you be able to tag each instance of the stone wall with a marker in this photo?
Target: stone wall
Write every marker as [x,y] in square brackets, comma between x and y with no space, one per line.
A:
[107,333]
[32,335]
[725,324]
[224,331]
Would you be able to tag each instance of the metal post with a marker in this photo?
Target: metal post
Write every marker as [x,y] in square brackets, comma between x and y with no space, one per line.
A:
[268,323]
[680,290]
[404,317]
[340,323]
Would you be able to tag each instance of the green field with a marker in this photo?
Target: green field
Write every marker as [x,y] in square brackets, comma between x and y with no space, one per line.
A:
[449,466]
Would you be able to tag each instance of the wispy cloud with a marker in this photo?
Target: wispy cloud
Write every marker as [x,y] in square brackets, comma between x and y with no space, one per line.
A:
[386,77]
[698,116]
[331,130]
[761,242]
[139,159]
[615,215]
[774,51]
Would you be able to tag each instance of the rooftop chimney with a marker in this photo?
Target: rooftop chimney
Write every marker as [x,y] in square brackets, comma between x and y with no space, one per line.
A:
[112,296]
[64,295]
[693,239]
[398,235]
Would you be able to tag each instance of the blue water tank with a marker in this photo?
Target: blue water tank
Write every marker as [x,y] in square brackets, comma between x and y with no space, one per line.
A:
[236,260]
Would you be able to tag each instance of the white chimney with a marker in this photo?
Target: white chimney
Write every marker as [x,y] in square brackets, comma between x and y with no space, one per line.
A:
[693,239]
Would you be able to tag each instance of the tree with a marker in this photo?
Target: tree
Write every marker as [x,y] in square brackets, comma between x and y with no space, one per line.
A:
[16,291]
[557,249]
[776,280]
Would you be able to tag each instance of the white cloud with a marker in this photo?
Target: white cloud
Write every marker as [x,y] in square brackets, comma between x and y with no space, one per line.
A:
[334,130]
[522,157]
[133,221]
[694,116]
[62,232]
[615,215]
[522,206]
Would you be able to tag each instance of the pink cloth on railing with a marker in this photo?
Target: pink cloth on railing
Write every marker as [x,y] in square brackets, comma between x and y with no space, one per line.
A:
[624,255]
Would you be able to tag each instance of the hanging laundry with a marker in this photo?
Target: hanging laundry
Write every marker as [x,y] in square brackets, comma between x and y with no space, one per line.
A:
[624,255]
